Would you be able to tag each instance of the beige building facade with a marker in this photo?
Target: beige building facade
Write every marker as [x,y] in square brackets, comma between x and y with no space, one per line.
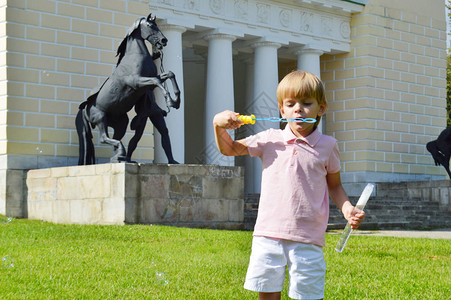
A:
[383,63]
[389,92]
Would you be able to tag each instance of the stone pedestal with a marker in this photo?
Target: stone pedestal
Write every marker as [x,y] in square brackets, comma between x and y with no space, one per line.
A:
[12,193]
[180,195]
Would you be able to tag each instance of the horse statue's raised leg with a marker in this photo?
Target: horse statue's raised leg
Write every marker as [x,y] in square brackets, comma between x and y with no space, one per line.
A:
[142,82]
[120,127]
[169,101]
[99,118]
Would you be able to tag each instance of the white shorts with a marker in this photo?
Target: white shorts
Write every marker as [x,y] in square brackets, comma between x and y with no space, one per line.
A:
[269,260]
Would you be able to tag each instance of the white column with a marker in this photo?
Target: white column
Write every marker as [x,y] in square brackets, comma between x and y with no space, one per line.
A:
[264,104]
[175,120]
[309,60]
[266,78]
[249,161]
[249,82]
[219,91]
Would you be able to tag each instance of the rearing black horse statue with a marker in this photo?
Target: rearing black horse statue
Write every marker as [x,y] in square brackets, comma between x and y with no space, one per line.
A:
[130,85]
[440,149]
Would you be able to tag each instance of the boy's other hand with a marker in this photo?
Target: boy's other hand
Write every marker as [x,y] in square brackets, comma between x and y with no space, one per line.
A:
[353,215]
[227,120]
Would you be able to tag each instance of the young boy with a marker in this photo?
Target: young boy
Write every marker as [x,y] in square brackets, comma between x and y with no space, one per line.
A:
[301,168]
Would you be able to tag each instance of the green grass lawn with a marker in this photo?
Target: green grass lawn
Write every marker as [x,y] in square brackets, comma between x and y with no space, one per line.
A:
[50,261]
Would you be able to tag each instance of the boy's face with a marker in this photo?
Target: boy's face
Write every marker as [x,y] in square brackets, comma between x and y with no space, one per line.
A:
[301,108]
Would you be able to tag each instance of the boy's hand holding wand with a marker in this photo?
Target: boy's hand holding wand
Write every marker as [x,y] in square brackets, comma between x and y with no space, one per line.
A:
[226,145]
[357,211]
[227,120]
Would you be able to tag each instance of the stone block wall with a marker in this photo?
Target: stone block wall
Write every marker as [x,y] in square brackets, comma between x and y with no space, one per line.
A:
[404,205]
[12,193]
[77,195]
[188,195]
[179,195]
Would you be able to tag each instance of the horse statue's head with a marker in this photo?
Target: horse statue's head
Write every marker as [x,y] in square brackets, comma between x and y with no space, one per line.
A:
[151,32]
[148,30]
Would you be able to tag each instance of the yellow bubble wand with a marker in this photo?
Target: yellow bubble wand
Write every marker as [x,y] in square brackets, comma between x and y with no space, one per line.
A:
[250,119]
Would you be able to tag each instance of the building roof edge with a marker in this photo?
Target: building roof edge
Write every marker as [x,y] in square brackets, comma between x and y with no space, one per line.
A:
[361,2]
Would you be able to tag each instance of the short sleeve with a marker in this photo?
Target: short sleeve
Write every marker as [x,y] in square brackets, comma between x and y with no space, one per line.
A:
[256,142]
[333,163]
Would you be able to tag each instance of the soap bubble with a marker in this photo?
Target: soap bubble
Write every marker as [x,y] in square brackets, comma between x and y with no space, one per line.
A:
[7,262]
[38,150]
[6,220]
[162,278]
[45,73]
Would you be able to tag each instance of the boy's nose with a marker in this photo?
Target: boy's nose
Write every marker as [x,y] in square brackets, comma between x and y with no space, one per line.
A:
[297,107]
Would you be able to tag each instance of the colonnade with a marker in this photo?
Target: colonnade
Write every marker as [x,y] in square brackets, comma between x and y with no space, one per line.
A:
[261,99]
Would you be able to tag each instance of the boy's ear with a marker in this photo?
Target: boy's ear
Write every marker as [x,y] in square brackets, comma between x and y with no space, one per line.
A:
[322,109]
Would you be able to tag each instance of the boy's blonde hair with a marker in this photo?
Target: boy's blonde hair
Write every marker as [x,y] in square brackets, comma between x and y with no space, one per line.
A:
[299,85]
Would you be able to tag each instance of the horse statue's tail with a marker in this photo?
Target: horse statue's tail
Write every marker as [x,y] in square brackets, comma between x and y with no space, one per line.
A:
[86,154]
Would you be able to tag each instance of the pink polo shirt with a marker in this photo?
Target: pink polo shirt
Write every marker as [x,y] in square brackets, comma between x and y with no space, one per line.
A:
[294,199]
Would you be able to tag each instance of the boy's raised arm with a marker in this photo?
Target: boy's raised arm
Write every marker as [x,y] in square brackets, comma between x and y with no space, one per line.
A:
[226,145]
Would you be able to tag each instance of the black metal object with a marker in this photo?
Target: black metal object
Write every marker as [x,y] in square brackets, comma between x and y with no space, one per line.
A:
[130,86]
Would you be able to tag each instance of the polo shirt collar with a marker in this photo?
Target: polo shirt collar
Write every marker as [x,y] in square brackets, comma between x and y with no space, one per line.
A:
[311,139]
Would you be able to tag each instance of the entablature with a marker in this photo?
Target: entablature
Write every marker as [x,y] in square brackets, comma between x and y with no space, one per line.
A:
[292,22]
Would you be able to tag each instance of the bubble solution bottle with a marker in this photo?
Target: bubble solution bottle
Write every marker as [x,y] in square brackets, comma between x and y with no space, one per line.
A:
[360,205]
